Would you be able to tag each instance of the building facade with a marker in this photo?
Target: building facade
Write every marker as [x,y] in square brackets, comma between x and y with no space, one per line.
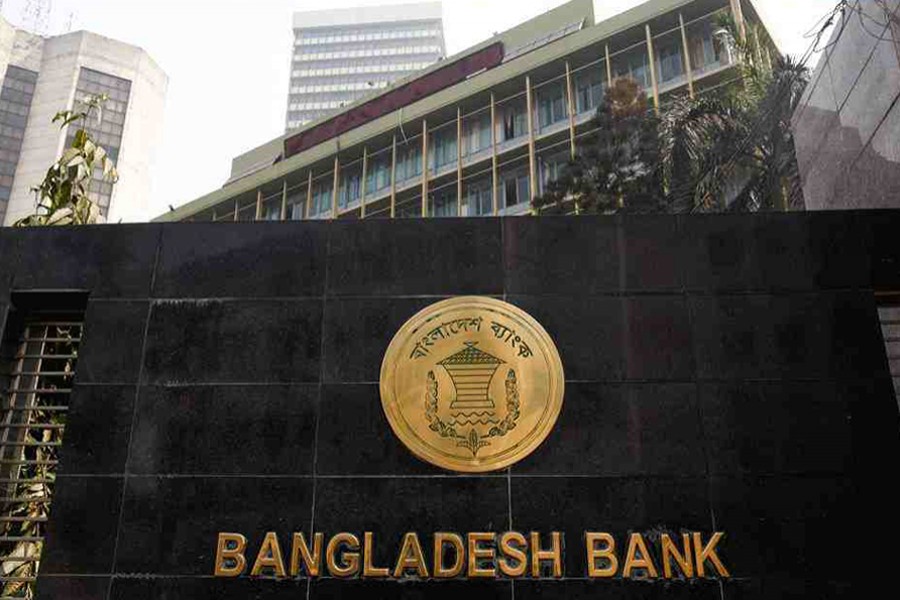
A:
[342,55]
[44,75]
[483,132]
[847,127]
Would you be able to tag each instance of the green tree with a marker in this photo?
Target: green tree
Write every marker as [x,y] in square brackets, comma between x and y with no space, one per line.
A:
[727,150]
[63,197]
[616,162]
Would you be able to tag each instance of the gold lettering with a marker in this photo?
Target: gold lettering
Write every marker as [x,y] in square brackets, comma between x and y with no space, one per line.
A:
[440,541]
[477,552]
[411,557]
[349,565]
[608,552]
[235,553]
[669,551]
[368,569]
[513,546]
[300,551]
[633,561]
[708,553]
[269,556]
[554,554]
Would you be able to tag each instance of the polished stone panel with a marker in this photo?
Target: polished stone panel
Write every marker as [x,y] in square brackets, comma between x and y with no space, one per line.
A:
[111,347]
[73,588]
[628,590]
[170,526]
[390,507]
[798,336]
[412,590]
[560,256]
[254,341]
[355,437]
[97,430]
[221,260]
[233,430]
[633,429]
[619,506]
[605,338]
[111,262]
[83,526]
[765,428]
[357,332]
[415,257]
[206,589]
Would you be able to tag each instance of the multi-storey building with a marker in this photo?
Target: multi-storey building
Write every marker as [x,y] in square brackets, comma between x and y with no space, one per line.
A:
[847,127]
[485,131]
[44,75]
[342,55]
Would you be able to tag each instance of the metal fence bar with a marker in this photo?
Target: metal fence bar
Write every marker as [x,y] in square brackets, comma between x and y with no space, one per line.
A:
[30,436]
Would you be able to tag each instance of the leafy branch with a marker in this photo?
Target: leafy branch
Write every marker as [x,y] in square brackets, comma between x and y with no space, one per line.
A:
[63,197]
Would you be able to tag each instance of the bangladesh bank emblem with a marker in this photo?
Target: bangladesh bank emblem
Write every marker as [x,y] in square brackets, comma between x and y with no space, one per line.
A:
[472,384]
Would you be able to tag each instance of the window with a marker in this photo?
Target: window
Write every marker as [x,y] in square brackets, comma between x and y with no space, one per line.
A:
[443,149]
[551,169]
[590,89]
[272,212]
[15,104]
[551,104]
[107,131]
[40,352]
[378,176]
[634,66]
[515,124]
[321,200]
[478,134]
[479,200]
[351,186]
[409,161]
[668,63]
[443,204]
[515,189]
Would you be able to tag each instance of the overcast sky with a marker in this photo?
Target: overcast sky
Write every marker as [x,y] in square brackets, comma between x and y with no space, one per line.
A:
[228,64]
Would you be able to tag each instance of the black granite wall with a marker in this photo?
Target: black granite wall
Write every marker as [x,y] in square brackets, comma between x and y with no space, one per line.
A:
[723,373]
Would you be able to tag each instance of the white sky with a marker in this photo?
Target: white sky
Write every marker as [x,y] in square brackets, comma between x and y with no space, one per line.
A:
[228,64]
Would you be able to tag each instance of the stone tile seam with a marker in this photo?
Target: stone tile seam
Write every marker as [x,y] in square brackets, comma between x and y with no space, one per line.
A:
[134,413]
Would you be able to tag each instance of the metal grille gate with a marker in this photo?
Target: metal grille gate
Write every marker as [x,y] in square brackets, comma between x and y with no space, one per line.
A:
[32,419]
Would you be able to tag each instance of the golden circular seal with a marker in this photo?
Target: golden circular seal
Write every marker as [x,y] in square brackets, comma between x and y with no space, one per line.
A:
[472,384]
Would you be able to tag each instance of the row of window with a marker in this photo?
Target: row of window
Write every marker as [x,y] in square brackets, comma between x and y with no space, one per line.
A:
[351,79]
[19,84]
[108,127]
[299,106]
[514,191]
[368,53]
[15,108]
[108,82]
[19,97]
[369,64]
[386,68]
[340,96]
[354,87]
[312,37]
[90,88]
[15,104]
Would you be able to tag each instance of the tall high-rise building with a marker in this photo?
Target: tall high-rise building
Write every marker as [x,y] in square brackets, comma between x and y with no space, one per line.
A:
[342,55]
[44,75]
